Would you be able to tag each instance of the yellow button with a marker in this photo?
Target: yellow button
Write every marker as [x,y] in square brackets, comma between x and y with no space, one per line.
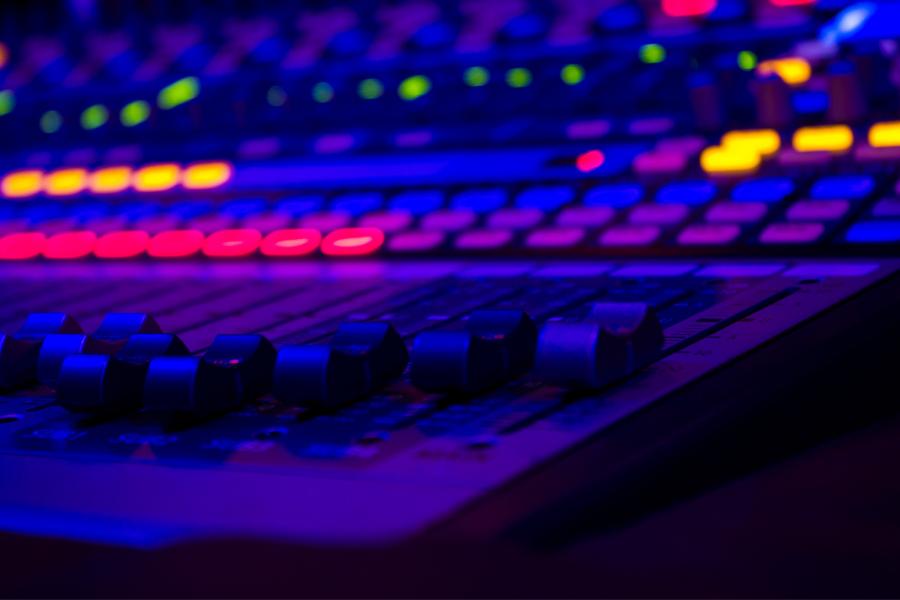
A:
[763,141]
[22,184]
[201,176]
[110,180]
[156,178]
[793,71]
[719,160]
[825,138]
[65,182]
[885,135]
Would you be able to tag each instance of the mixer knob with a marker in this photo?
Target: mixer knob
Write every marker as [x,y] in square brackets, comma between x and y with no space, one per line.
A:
[19,352]
[846,102]
[773,102]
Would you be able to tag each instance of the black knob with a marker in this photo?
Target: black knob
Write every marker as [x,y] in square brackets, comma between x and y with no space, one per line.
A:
[513,330]
[19,352]
[379,344]
[456,361]
[320,376]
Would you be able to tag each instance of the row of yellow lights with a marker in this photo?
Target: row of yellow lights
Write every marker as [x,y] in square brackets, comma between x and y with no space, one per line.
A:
[111,180]
[742,152]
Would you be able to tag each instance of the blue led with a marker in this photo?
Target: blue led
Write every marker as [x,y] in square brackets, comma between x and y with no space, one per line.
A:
[842,187]
[810,102]
[874,232]
[190,209]
[686,192]
[546,198]
[357,204]
[769,190]
[418,202]
[480,201]
[615,195]
[300,205]
[244,207]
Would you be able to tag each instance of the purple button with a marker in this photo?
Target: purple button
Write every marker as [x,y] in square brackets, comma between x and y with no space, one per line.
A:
[326,221]
[818,210]
[630,235]
[660,163]
[736,212]
[889,207]
[585,216]
[267,221]
[483,239]
[105,224]
[580,130]
[708,234]
[212,222]
[449,220]
[792,158]
[156,223]
[555,237]
[416,241]
[688,145]
[387,221]
[658,214]
[515,218]
[792,233]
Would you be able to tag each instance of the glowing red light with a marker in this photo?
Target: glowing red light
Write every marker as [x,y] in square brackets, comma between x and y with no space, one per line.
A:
[22,246]
[179,243]
[232,243]
[70,244]
[792,2]
[122,244]
[291,242]
[688,8]
[590,161]
[352,241]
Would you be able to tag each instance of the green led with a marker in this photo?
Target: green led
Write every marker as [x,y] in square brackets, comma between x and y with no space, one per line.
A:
[652,54]
[746,60]
[413,88]
[476,76]
[370,89]
[94,116]
[175,94]
[51,121]
[323,92]
[7,102]
[572,74]
[518,77]
[276,96]
[134,113]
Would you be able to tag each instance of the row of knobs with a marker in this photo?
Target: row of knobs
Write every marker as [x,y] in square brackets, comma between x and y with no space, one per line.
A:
[128,363]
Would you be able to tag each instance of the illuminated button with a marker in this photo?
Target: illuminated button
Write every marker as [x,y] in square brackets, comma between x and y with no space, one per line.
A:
[449,220]
[210,222]
[763,141]
[889,207]
[418,202]
[793,70]
[480,201]
[297,206]
[290,242]
[101,224]
[416,241]
[791,159]
[326,221]
[267,221]
[356,204]
[585,216]
[590,161]
[823,138]
[22,184]
[555,237]
[546,198]
[352,241]
[736,212]
[688,8]
[70,244]
[483,239]
[885,135]
[818,210]
[176,244]
[22,246]
[229,243]
[157,223]
[691,193]
[630,235]
[515,218]
[616,196]
[769,190]
[719,160]
[204,176]
[156,178]
[121,244]
[657,162]
[708,235]
[792,233]
[874,232]
[387,221]
[56,225]
[658,214]
[65,182]
[850,187]
[109,180]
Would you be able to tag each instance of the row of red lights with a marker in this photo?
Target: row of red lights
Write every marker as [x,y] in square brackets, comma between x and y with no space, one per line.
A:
[186,243]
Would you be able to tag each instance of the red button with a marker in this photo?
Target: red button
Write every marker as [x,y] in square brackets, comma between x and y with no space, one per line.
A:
[22,246]
[290,242]
[122,244]
[352,241]
[70,244]
[230,243]
[176,244]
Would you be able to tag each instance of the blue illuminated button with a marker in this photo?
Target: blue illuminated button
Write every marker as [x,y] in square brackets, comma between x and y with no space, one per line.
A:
[846,187]
[418,202]
[298,206]
[691,193]
[616,196]
[546,198]
[357,204]
[480,201]
[244,207]
[769,190]
[874,232]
